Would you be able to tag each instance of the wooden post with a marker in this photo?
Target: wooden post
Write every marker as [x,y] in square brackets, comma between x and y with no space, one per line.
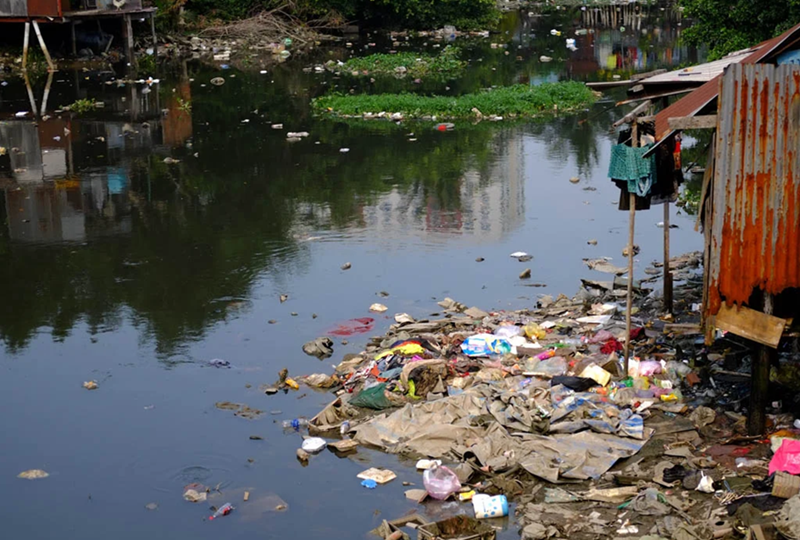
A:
[25,43]
[74,39]
[667,274]
[153,32]
[631,222]
[759,391]
[42,44]
[127,34]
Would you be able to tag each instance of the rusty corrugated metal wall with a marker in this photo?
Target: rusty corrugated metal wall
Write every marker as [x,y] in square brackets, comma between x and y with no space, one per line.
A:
[755,196]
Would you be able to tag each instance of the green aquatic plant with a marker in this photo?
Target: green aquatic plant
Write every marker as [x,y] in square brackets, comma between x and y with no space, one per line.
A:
[517,100]
[415,65]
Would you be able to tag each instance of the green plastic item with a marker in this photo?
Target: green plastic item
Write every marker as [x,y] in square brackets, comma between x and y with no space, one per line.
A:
[287,42]
[372,398]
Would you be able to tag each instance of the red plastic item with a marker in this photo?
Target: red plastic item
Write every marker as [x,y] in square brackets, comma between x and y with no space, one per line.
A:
[787,458]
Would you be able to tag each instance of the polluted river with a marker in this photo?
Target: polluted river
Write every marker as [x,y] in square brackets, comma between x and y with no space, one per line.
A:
[174,247]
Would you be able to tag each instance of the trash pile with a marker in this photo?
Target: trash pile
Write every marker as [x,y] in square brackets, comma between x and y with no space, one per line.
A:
[535,407]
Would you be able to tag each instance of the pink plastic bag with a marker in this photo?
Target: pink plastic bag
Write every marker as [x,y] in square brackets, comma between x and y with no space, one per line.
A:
[787,458]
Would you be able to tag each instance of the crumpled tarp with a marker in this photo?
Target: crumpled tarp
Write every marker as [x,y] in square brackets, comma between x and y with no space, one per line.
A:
[476,423]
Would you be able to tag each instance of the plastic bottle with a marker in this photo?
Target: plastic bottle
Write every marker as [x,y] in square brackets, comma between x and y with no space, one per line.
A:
[223,510]
[297,423]
[344,428]
[546,354]
[440,482]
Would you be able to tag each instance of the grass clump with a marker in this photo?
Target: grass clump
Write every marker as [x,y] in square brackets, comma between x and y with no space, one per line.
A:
[445,64]
[513,101]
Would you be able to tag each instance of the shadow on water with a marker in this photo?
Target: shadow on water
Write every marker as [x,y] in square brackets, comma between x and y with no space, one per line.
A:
[133,236]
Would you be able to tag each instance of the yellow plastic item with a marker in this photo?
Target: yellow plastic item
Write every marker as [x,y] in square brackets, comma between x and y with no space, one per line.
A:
[600,376]
[533,330]
[466,496]
[291,383]
[408,349]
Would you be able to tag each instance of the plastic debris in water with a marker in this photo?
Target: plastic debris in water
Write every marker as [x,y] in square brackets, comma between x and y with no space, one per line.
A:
[223,510]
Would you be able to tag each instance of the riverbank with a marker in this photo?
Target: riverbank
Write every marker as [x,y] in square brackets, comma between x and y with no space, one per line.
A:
[537,407]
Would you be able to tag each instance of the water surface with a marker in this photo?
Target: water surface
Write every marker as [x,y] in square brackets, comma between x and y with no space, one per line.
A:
[135,272]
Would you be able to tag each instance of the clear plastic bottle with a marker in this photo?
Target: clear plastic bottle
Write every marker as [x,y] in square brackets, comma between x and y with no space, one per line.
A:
[297,423]
[223,510]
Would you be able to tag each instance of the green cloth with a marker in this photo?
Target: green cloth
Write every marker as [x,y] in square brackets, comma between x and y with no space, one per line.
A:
[372,398]
[630,165]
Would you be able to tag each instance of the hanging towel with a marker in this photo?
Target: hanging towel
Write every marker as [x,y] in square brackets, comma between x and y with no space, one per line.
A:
[628,164]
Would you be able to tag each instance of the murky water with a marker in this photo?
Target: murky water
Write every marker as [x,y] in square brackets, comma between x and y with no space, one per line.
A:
[133,272]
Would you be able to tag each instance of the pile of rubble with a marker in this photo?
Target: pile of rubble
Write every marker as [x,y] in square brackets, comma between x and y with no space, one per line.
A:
[535,405]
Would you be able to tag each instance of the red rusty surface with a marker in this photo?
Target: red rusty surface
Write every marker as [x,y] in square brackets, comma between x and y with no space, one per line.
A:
[44,8]
[755,222]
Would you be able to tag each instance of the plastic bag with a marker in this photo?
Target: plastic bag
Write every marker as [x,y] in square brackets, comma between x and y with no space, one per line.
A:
[440,482]
[372,398]
[648,368]
[534,331]
[485,345]
[552,367]
[507,331]
[787,458]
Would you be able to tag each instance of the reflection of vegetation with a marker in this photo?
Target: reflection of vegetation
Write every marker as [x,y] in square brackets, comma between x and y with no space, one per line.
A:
[415,65]
[517,100]
[82,106]
[184,105]
[689,196]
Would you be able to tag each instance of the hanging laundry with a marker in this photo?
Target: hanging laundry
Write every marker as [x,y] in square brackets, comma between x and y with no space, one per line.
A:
[630,165]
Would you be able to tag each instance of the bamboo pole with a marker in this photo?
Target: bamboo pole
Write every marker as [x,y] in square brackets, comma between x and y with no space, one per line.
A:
[50,65]
[631,224]
[667,272]
[25,44]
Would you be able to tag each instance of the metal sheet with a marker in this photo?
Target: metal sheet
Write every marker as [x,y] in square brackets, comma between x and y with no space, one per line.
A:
[755,235]
[13,8]
[695,102]
[44,8]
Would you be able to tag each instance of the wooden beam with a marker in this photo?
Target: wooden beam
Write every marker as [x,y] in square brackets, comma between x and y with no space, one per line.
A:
[656,96]
[647,75]
[693,122]
[628,118]
[761,363]
[751,324]
[608,84]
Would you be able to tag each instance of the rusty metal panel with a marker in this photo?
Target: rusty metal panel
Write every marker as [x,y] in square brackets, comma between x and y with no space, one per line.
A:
[44,8]
[13,8]
[755,227]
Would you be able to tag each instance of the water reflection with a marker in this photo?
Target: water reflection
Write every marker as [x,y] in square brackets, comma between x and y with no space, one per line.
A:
[165,209]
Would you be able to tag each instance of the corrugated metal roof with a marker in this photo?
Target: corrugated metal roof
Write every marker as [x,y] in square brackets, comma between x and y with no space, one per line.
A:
[703,96]
[755,197]
[698,74]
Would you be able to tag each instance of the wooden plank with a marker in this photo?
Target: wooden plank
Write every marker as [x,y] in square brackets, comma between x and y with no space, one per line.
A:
[751,324]
[608,84]
[636,89]
[693,122]
[628,118]
[656,96]
[647,75]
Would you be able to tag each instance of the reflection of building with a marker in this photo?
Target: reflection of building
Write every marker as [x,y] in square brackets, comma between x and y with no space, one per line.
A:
[485,205]
[45,201]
